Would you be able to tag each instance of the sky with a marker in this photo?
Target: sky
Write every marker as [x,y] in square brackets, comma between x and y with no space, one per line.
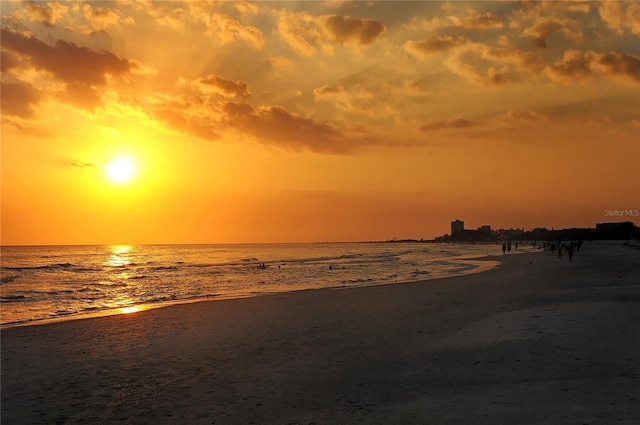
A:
[239,122]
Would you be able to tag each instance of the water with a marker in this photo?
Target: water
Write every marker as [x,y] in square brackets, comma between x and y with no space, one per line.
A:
[50,282]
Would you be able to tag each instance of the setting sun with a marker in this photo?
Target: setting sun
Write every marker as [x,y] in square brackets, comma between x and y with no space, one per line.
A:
[120,170]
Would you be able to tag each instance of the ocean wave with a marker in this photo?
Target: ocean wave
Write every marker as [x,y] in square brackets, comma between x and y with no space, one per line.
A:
[88,289]
[12,298]
[463,268]
[164,268]
[55,266]
[60,313]
[7,279]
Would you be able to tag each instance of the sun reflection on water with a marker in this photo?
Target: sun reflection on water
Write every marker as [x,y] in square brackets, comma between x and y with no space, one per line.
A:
[118,255]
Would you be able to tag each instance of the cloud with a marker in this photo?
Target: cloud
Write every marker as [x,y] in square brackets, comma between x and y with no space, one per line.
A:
[83,95]
[306,33]
[300,31]
[481,22]
[618,65]
[414,87]
[82,164]
[203,128]
[80,68]
[512,117]
[215,84]
[356,30]
[452,124]
[327,91]
[355,99]
[527,62]
[247,8]
[618,16]
[19,99]
[478,63]
[226,29]
[68,62]
[8,61]
[545,28]
[575,65]
[434,44]
[47,14]
[491,66]
[578,65]
[275,125]
[102,18]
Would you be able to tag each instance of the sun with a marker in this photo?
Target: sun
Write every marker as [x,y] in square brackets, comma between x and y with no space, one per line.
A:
[120,170]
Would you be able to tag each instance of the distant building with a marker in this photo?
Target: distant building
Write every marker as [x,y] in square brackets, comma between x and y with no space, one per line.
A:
[608,227]
[622,230]
[457,227]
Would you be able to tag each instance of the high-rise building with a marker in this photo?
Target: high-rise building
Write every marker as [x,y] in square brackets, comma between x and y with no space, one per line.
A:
[457,226]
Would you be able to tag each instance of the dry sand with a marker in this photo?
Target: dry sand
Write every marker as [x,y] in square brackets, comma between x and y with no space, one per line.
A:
[537,340]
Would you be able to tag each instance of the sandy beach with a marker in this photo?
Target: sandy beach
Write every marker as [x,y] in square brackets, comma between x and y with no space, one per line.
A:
[536,340]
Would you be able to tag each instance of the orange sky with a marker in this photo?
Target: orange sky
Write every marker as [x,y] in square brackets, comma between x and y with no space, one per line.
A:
[315,121]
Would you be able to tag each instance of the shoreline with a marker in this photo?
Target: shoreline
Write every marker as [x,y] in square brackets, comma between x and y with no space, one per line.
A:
[536,339]
[137,308]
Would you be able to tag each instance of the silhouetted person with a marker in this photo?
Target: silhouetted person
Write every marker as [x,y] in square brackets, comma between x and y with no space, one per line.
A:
[570,252]
[509,247]
[504,248]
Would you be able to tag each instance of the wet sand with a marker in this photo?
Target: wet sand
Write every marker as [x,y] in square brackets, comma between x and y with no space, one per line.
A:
[536,340]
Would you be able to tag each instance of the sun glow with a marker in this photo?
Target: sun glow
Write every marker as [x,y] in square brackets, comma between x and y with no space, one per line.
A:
[129,310]
[120,170]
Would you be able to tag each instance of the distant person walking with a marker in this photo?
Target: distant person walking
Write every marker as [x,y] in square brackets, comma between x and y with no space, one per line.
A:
[504,248]
[509,247]
[570,251]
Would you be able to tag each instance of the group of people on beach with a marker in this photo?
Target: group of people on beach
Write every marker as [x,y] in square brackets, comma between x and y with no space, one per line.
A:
[554,246]
[570,248]
[506,247]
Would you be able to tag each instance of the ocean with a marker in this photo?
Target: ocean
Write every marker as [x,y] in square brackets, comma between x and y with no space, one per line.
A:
[41,283]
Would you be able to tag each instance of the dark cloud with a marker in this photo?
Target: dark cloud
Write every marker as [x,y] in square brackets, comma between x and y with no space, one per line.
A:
[361,31]
[498,78]
[327,90]
[435,44]
[19,99]
[619,65]
[540,31]
[276,126]
[225,87]
[8,61]
[578,65]
[202,128]
[574,65]
[454,123]
[68,62]
[81,68]
[83,96]
[82,164]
